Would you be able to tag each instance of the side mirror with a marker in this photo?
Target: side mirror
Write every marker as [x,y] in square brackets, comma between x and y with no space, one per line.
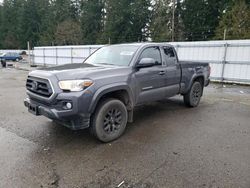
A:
[146,62]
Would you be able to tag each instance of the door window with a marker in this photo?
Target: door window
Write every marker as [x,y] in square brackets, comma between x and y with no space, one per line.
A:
[169,55]
[152,52]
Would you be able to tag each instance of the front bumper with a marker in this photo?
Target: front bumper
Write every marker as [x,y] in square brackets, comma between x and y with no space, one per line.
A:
[69,118]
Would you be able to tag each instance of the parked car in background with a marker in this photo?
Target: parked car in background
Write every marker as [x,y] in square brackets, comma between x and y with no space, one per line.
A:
[10,56]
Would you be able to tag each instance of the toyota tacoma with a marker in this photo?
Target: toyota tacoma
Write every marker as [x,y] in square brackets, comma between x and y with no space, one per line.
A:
[102,92]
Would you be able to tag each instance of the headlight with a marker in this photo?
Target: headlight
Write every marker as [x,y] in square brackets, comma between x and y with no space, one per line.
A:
[75,85]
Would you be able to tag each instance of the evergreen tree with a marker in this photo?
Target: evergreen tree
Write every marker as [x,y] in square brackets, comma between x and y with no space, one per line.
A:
[91,20]
[161,21]
[51,22]
[161,25]
[126,20]
[200,18]
[179,27]
[65,10]
[31,22]
[48,25]
[117,25]
[140,18]
[11,24]
[1,26]
[68,33]
[235,22]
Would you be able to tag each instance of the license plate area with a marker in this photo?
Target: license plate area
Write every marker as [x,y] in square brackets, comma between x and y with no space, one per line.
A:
[33,109]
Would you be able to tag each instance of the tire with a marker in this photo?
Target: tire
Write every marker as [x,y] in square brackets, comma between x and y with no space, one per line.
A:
[17,60]
[193,97]
[3,62]
[109,120]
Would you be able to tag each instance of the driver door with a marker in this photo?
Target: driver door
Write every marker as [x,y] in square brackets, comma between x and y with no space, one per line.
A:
[151,81]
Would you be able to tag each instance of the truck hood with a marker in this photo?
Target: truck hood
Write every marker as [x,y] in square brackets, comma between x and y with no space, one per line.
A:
[82,71]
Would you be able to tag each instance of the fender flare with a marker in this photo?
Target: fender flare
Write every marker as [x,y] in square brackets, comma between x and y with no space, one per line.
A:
[192,80]
[107,89]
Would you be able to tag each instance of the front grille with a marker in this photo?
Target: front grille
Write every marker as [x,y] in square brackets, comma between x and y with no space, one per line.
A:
[39,86]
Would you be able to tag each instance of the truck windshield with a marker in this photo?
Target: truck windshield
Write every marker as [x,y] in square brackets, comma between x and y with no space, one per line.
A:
[118,55]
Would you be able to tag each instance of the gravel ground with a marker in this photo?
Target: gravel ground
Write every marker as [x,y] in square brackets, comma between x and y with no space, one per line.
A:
[168,145]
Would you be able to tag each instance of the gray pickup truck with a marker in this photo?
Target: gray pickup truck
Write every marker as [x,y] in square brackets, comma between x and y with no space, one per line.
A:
[102,92]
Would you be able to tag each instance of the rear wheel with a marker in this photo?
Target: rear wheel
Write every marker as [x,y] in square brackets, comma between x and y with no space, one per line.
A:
[17,59]
[110,120]
[193,97]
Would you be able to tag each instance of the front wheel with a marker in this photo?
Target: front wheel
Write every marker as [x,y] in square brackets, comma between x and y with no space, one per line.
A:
[193,97]
[110,120]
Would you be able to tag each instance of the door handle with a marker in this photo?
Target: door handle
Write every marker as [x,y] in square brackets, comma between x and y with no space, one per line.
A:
[162,72]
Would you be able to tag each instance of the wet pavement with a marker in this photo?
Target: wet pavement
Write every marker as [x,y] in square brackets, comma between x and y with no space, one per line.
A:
[168,145]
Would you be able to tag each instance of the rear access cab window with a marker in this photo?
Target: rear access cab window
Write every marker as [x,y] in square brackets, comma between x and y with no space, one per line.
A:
[169,55]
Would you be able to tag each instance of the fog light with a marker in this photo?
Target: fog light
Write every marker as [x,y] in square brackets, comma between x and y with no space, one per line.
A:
[68,105]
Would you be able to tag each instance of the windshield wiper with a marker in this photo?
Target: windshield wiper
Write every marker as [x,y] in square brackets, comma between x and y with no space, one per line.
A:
[105,64]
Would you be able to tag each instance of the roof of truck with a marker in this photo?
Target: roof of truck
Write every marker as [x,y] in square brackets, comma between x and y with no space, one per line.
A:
[143,43]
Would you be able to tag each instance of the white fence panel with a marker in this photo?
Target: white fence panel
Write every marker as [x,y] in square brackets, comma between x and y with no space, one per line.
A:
[199,53]
[237,72]
[216,70]
[229,60]
[59,55]
[238,53]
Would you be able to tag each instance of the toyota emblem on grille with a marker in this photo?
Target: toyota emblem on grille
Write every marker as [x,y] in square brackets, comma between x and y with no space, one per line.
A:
[34,85]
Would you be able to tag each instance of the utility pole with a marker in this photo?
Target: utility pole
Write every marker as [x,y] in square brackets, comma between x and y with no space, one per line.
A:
[173,20]
[225,33]
[28,44]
